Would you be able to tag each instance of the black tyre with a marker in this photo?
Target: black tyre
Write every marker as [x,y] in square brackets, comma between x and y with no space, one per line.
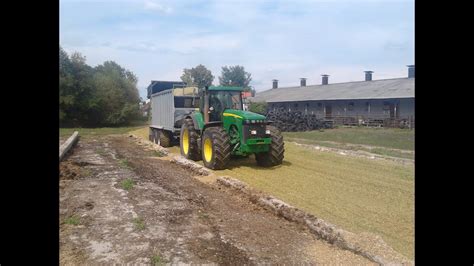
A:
[155,136]
[151,136]
[188,141]
[164,138]
[216,148]
[277,149]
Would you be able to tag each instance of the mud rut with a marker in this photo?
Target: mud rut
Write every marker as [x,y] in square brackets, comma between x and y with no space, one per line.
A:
[182,219]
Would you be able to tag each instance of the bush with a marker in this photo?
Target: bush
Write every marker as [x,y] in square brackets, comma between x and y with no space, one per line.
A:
[258,107]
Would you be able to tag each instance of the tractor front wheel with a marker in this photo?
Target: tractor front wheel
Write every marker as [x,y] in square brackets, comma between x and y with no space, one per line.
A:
[216,148]
[277,149]
[188,141]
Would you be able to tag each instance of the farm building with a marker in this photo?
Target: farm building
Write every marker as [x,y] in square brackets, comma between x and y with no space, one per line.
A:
[387,102]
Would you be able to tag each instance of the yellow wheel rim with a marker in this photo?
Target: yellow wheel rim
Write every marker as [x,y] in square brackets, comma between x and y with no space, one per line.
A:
[208,150]
[185,141]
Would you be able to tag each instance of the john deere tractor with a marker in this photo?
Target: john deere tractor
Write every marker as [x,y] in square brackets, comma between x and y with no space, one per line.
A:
[221,129]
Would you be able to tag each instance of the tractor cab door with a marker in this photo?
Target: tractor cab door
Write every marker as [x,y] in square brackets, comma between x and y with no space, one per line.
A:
[215,107]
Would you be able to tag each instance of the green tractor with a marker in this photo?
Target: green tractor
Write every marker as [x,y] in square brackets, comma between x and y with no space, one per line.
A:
[221,129]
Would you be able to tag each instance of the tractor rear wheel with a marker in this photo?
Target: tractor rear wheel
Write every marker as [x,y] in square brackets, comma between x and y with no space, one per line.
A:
[277,149]
[216,148]
[188,141]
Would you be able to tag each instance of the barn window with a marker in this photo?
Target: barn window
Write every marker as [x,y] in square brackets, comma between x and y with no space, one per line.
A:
[295,105]
[350,106]
[386,105]
[320,105]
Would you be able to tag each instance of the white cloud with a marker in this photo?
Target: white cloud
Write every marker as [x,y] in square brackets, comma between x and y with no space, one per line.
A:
[154,5]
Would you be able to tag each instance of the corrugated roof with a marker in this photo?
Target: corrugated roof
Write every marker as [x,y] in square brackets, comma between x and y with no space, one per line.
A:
[375,89]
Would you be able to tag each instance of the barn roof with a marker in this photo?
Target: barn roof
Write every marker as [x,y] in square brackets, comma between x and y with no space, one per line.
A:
[375,89]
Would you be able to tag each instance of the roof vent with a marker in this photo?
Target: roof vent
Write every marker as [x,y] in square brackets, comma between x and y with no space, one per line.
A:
[368,75]
[325,79]
[302,82]
[411,71]
[275,84]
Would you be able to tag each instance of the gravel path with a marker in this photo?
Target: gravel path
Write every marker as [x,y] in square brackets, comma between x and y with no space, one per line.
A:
[168,215]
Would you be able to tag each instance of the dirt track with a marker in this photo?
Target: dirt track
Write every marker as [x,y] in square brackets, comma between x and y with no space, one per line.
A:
[182,220]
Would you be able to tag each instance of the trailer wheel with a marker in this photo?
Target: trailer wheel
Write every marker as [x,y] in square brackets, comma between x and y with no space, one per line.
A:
[277,149]
[164,139]
[216,148]
[188,141]
[151,136]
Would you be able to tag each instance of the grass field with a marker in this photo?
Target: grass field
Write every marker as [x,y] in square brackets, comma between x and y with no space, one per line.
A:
[90,132]
[384,141]
[394,138]
[356,194]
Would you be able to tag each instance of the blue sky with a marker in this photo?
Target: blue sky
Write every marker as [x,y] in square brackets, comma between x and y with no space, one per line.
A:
[283,40]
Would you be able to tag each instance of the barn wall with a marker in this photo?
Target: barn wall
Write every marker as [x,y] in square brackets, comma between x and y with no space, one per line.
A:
[351,108]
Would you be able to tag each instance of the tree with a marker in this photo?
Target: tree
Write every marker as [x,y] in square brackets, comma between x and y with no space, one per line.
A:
[187,77]
[235,76]
[117,98]
[106,95]
[258,107]
[198,76]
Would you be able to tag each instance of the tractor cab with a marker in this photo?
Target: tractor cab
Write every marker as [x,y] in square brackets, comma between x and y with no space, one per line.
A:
[221,98]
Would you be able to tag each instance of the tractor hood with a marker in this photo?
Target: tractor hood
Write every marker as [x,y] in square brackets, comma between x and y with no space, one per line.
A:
[245,115]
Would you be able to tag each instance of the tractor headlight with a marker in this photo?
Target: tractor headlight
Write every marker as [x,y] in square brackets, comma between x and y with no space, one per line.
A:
[247,121]
[253,121]
[253,132]
[267,131]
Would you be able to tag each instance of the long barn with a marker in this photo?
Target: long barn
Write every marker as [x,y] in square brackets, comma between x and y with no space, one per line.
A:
[388,102]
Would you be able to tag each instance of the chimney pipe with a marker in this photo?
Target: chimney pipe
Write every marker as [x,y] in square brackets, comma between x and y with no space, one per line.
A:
[275,83]
[302,82]
[368,75]
[325,79]
[411,71]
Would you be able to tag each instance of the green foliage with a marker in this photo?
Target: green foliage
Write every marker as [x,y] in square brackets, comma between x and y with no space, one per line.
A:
[156,260]
[258,107]
[127,184]
[235,76]
[198,76]
[105,95]
[139,223]
[125,164]
[73,220]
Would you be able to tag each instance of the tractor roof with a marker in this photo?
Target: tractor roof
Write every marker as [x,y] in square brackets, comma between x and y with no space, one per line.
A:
[225,88]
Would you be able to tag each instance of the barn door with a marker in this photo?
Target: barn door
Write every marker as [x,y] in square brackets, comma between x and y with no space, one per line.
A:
[394,110]
[328,111]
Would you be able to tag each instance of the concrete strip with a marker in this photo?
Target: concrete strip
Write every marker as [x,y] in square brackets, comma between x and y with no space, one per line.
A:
[365,244]
[68,144]
[195,167]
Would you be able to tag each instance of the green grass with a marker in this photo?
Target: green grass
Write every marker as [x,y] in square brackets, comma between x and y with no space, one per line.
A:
[356,147]
[394,138]
[127,184]
[73,220]
[156,260]
[91,132]
[139,223]
[356,194]
[124,163]
[158,154]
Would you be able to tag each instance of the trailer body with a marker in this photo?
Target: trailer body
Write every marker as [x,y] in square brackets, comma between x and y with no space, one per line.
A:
[168,110]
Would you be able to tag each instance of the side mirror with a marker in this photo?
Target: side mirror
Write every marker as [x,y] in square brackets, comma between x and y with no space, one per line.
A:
[211,108]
